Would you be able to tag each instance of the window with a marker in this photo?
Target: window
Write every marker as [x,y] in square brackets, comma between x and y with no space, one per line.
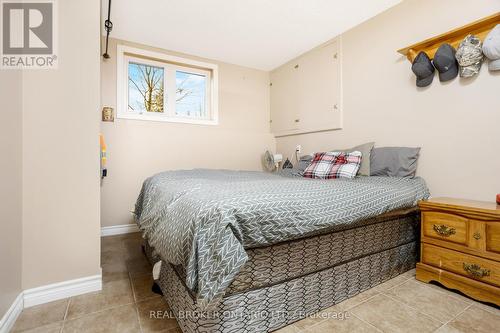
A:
[158,87]
[145,88]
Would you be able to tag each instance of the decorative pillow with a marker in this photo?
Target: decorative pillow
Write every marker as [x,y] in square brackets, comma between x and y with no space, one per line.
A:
[365,149]
[334,165]
[394,161]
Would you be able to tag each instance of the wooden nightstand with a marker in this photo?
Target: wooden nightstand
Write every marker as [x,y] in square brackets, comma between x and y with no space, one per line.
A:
[460,246]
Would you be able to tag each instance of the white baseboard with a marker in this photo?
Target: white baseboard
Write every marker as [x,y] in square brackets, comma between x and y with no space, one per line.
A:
[119,229]
[65,289]
[10,317]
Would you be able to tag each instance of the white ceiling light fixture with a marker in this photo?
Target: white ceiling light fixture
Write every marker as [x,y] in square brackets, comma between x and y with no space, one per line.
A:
[262,34]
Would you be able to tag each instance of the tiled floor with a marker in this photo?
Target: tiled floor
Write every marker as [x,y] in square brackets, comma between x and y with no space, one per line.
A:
[404,304]
[122,306]
[126,301]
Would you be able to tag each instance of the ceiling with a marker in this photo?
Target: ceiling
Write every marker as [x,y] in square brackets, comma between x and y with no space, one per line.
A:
[262,34]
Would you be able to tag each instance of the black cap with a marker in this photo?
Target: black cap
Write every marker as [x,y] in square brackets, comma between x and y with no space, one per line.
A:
[423,69]
[446,63]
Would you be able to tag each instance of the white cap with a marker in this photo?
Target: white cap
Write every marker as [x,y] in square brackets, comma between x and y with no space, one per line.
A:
[491,48]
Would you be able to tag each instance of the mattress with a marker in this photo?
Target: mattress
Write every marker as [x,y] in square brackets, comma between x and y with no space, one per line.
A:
[208,221]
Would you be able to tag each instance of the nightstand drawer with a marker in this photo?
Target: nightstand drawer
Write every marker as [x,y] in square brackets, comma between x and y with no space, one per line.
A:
[445,226]
[480,269]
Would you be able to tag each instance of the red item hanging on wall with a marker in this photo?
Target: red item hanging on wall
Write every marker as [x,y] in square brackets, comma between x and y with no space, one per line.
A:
[498,199]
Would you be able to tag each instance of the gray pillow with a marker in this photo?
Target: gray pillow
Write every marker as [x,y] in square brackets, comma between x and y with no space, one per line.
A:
[394,161]
[302,164]
[365,149]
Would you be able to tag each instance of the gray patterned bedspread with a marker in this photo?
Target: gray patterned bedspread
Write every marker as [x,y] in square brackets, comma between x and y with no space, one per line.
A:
[204,219]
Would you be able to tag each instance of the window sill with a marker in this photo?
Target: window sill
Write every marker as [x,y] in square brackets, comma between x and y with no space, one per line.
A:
[167,119]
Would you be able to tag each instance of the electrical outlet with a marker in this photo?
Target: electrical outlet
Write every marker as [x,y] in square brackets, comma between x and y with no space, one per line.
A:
[298,149]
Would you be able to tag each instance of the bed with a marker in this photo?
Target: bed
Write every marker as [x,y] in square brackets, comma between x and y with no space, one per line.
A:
[253,252]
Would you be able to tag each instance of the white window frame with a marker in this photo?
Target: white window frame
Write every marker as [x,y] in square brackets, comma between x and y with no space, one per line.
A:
[170,64]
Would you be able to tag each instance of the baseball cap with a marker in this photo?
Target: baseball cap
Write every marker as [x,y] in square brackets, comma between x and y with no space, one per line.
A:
[445,62]
[423,69]
[491,48]
[470,56]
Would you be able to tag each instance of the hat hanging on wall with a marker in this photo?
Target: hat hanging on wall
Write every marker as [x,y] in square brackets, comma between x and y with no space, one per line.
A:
[445,63]
[423,69]
[491,48]
[470,56]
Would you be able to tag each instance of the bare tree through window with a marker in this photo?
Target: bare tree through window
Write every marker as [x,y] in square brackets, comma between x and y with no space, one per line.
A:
[146,88]
[190,94]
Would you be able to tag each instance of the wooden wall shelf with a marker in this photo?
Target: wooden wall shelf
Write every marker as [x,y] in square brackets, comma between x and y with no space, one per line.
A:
[479,28]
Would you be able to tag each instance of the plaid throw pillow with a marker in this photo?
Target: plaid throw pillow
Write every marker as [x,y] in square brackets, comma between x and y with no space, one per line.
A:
[334,165]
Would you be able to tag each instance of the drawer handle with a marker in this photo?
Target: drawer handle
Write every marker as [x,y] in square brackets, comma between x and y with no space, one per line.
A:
[444,230]
[477,236]
[475,270]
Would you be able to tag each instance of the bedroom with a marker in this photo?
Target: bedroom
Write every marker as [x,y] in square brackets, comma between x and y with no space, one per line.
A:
[293,78]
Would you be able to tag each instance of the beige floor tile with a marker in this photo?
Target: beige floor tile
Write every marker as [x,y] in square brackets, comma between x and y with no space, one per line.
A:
[334,312]
[41,315]
[133,248]
[389,315]
[347,325]
[490,308]
[359,298]
[448,329]
[155,315]
[392,282]
[450,292]
[112,243]
[473,319]
[122,319]
[51,328]
[113,293]
[410,274]
[142,285]
[132,235]
[111,257]
[312,319]
[288,329]
[139,266]
[438,304]
[114,271]
[308,322]
[173,330]
[453,293]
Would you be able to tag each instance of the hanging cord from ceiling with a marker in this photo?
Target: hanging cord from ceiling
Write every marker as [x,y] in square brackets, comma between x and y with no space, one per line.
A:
[108,25]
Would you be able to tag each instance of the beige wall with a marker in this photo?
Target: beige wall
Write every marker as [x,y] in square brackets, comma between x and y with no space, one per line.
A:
[61,155]
[11,187]
[456,123]
[139,149]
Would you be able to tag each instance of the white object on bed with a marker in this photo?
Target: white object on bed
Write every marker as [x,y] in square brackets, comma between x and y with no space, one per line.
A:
[156,270]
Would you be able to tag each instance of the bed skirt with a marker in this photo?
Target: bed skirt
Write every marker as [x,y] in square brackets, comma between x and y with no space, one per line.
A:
[285,261]
[272,307]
